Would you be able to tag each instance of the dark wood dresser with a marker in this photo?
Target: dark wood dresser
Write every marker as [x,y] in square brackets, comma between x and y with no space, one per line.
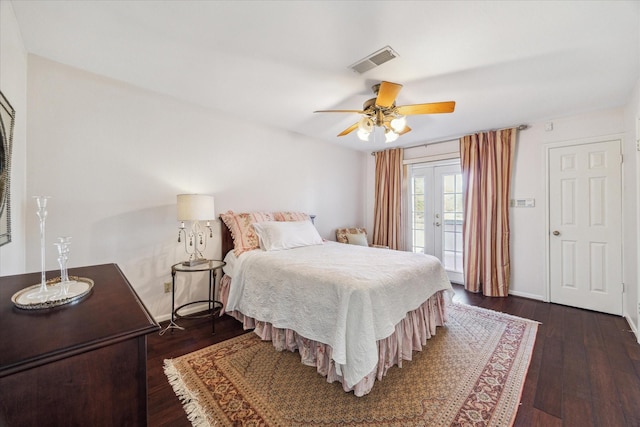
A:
[83,364]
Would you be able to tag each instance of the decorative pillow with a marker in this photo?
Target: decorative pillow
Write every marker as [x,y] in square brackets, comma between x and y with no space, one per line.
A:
[357,239]
[341,233]
[242,231]
[280,235]
[291,216]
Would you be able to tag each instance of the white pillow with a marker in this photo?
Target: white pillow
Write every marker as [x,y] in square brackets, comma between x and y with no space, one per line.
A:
[357,239]
[276,235]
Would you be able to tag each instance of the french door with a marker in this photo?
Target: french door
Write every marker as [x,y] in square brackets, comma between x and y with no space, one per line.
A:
[436,214]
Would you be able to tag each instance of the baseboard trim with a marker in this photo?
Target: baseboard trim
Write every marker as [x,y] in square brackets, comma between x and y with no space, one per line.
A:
[527,295]
[633,327]
[517,294]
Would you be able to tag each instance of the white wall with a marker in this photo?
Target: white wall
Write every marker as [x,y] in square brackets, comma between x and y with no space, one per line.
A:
[13,84]
[632,210]
[113,157]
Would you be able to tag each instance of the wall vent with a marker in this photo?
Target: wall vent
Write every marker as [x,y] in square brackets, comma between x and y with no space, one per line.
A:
[376,58]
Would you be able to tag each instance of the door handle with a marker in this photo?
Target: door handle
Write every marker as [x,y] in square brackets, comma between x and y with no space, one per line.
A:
[556,233]
[437,224]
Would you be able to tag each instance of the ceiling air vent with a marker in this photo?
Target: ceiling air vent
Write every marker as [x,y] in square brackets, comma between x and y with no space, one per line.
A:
[376,58]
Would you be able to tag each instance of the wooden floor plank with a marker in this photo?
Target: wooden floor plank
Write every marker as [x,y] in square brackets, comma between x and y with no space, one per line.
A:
[606,402]
[555,321]
[548,396]
[542,419]
[610,330]
[629,391]
[591,331]
[575,381]
[577,412]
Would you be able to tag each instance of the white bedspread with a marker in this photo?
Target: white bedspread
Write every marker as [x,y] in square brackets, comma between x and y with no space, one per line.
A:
[346,296]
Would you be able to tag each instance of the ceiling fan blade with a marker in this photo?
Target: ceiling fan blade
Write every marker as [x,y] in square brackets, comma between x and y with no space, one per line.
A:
[405,130]
[387,94]
[349,129]
[340,111]
[432,108]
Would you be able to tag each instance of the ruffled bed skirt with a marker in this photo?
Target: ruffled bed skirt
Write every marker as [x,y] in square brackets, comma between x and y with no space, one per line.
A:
[411,333]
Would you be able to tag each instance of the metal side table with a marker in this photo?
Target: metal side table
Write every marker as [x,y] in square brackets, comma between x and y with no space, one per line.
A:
[211,266]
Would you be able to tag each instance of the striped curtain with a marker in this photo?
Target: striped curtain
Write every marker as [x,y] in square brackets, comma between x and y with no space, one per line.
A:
[486,160]
[387,211]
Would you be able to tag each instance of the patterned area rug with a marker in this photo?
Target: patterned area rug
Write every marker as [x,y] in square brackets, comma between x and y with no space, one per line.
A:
[471,373]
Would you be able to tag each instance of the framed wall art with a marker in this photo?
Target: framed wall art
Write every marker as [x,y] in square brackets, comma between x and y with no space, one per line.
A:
[7,120]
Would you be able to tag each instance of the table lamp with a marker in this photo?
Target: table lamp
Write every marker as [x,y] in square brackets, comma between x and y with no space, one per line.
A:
[195,208]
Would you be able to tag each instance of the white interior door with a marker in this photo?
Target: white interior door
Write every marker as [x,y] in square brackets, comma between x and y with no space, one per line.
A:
[436,215]
[585,217]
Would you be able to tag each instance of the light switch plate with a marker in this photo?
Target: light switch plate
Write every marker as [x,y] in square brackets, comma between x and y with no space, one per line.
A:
[523,203]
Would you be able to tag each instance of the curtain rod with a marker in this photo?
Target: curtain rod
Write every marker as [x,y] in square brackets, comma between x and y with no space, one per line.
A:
[453,138]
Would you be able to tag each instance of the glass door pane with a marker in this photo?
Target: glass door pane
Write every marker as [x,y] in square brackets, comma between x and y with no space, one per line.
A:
[450,209]
[420,234]
[418,214]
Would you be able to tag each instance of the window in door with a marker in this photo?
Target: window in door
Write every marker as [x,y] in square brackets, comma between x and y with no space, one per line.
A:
[418,210]
[436,214]
[452,215]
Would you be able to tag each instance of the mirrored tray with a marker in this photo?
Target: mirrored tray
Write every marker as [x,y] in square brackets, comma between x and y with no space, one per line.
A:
[60,294]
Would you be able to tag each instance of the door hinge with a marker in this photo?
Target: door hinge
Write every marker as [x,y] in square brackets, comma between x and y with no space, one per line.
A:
[623,287]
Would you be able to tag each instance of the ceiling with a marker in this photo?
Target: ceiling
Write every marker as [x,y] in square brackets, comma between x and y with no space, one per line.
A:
[505,63]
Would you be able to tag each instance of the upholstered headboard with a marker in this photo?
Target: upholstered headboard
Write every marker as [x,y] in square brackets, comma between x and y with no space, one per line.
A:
[227,239]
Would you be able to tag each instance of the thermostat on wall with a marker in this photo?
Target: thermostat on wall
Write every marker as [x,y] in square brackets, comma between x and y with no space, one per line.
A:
[523,203]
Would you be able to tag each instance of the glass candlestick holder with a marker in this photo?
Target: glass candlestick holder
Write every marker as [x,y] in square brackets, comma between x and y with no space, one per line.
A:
[42,293]
[63,257]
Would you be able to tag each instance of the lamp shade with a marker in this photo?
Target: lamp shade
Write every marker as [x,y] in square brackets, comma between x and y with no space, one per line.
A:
[195,207]
[399,123]
[390,135]
[365,124]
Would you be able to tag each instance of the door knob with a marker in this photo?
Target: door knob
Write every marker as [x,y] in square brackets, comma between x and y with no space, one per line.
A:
[556,233]
[437,224]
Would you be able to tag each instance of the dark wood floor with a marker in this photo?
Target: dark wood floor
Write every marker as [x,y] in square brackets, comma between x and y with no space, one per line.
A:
[585,369]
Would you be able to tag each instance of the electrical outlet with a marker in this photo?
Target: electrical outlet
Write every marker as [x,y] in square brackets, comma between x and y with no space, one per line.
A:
[167,287]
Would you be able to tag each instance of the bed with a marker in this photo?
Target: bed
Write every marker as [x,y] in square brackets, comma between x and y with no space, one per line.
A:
[352,312]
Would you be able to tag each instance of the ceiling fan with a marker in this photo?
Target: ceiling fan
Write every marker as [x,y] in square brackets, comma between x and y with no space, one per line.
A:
[382,111]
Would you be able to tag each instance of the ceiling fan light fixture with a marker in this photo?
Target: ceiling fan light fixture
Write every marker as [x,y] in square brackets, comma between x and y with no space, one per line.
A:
[365,125]
[399,123]
[390,135]
[363,135]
